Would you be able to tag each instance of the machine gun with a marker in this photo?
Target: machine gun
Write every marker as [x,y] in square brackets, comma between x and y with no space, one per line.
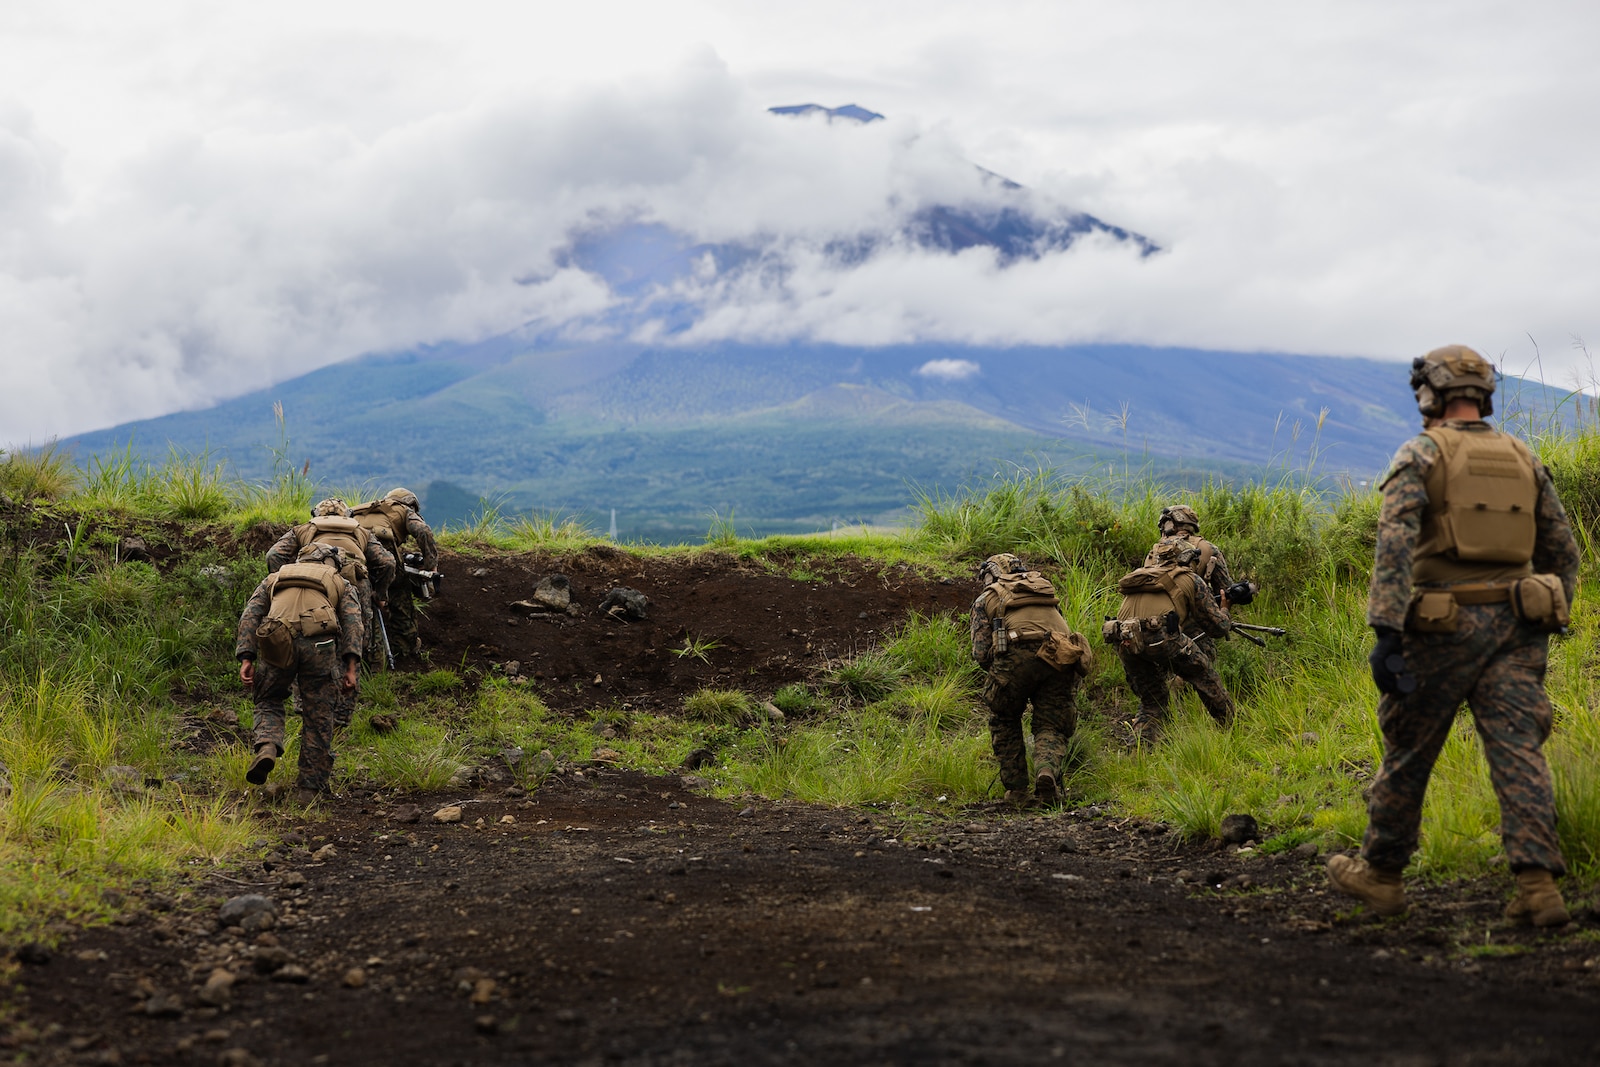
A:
[1244,593]
[427,581]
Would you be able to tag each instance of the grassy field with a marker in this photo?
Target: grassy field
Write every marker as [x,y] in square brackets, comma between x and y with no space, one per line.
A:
[116,678]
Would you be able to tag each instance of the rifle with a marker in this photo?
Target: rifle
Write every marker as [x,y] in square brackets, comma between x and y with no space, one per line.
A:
[1275,631]
[1244,593]
[383,632]
[426,580]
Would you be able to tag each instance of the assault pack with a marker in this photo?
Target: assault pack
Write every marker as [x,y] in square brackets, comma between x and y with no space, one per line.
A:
[386,520]
[1155,605]
[305,598]
[1023,607]
[347,535]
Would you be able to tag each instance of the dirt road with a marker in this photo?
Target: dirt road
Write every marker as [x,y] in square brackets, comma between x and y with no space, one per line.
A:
[617,918]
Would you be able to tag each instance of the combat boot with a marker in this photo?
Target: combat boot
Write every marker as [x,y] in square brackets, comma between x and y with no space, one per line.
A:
[1045,791]
[306,797]
[1017,797]
[261,766]
[1382,891]
[1538,901]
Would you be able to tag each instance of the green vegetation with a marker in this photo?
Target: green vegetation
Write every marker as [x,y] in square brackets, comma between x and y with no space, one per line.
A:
[118,699]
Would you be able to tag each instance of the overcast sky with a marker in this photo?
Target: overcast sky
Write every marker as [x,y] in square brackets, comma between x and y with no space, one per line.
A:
[200,198]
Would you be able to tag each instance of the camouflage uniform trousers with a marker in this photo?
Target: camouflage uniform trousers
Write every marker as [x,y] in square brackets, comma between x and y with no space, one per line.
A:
[1497,665]
[402,617]
[1147,673]
[315,675]
[1016,677]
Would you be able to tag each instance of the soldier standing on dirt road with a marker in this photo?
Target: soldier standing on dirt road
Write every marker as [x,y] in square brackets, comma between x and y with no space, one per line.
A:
[301,623]
[394,520]
[1161,602]
[1020,637]
[368,567]
[1475,566]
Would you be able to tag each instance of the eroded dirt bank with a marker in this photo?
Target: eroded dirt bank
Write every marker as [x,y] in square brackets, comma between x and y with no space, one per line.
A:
[618,918]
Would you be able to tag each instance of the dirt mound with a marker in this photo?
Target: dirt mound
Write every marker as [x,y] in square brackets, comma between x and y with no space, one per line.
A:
[618,918]
[767,628]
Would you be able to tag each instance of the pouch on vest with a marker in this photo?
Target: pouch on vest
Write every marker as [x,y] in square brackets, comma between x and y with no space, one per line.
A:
[1067,652]
[274,643]
[1482,495]
[318,621]
[1125,634]
[1541,602]
[1434,612]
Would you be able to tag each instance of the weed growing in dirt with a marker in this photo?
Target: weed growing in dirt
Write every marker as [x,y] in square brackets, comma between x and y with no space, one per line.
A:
[720,706]
[699,648]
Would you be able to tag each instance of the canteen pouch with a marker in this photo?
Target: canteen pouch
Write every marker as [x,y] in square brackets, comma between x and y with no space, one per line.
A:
[1541,602]
[318,621]
[275,644]
[1434,611]
[1067,652]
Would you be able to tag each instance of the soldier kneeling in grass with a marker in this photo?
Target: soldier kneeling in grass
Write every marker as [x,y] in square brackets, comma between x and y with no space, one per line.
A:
[302,622]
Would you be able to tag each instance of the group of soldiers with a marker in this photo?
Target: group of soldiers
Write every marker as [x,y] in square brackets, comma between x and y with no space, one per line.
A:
[340,589]
[1476,564]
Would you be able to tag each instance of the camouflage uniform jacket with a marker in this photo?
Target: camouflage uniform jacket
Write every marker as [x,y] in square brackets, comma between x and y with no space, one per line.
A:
[1405,498]
[1215,572]
[1208,617]
[380,561]
[352,634]
[422,534]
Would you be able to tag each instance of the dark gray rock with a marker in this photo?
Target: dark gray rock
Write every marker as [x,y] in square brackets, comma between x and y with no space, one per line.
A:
[625,603]
[237,910]
[1237,829]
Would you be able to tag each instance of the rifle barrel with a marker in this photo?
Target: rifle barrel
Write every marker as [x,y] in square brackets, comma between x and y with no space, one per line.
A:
[1275,631]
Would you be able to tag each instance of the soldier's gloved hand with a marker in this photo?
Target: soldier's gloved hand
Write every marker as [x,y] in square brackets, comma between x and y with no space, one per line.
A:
[1389,664]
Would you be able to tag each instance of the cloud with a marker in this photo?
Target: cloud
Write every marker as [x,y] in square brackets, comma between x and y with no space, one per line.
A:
[949,370]
[205,203]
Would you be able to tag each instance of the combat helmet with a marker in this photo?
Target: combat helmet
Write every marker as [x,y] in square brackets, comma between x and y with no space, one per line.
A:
[406,497]
[331,506]
[1174,516]
[1175,551]
[1449,372]
[998,566]
[317,552]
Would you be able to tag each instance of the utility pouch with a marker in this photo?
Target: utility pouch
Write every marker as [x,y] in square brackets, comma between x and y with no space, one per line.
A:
[1434,611]
[275,644]
[1541,602]
[1067,652]
[318,621]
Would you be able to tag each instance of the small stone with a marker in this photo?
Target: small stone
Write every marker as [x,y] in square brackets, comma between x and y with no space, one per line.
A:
[271,958]
[507,820]
[292,880]
[512,755]
[237,1057]
[406,813]
[1186,876]
[568,1017]
[465,778]
[164,1006]
[291,972]
[218,989]
[383,724]
[294,837]
[1237,829]
[606,755]
[1309,738]
[217,1036]
[1306,850]
[33,954]
[486,1024]
[325,853]
[700,757]
[235,911]
[483,991]
[448,814]
[773,712]
[256,922]
[745,813]
[267,939]
[355,978]
[554,592]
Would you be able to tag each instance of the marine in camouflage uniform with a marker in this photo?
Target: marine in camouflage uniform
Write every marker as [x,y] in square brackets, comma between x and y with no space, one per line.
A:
[1492,660]
[320,667]
[1017,676]
[1179,523]
[371,580]
[1150,662]
[402,611]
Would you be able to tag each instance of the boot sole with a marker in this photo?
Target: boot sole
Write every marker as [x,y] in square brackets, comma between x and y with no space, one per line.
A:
[257,774]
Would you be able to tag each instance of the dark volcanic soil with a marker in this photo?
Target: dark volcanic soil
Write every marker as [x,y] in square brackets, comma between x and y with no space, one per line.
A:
[621,918]
[768,629]
[617,918]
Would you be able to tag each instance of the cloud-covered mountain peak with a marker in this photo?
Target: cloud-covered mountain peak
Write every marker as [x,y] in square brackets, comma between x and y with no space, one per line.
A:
[850,112]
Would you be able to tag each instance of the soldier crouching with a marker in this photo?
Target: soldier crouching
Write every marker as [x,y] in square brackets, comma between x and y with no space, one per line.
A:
[302,623]
[1031,655]
[1475,566]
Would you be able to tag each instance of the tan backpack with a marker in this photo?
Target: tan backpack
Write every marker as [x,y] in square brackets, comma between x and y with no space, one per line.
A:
[386,519]
[1153,592]
[1027,603]
[305,598]
[347,535]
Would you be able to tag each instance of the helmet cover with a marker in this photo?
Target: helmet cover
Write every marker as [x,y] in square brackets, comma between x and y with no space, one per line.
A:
[1178,515]
[406,497]
[1448,373]
[999,565]
[331,506]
